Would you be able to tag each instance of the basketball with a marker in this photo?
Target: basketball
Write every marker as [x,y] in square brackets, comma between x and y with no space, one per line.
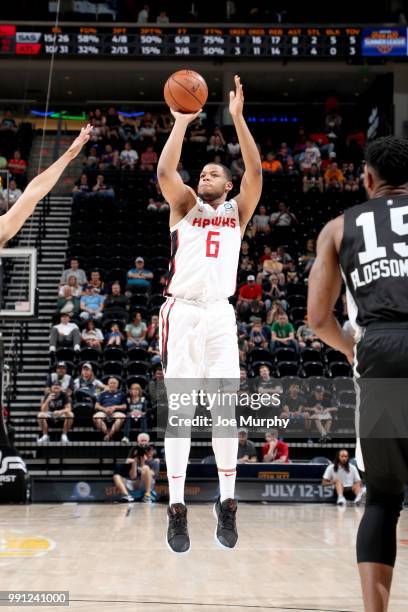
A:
[185,91]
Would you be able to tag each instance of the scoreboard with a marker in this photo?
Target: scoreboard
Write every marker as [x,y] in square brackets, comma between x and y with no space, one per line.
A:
[201,42]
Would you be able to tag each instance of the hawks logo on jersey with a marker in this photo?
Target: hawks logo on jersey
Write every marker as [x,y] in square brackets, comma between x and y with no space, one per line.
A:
[205,251]
[217,221]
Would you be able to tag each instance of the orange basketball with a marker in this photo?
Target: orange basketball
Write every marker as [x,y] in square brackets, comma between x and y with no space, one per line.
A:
[185,91]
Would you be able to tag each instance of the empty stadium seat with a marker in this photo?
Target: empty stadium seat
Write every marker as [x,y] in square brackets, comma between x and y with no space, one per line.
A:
[286,354]
[89,354]
[260,355]
[287,368]
[297,300]
[347,399]
[137,368]
[310,354]
[112,368]
[138,354]
[297,313]
[343,383]
[313,368]
[113,353]
[334,356]
[339,368]
[156,299]
[65,354]
[318,381]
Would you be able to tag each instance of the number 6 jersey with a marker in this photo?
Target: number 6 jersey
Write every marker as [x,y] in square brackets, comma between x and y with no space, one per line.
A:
[374,260]
[205,247]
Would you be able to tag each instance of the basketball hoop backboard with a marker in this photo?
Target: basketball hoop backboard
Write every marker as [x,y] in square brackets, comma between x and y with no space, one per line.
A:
[18,282]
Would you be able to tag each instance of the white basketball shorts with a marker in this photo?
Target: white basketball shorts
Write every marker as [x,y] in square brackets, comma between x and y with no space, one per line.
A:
[198,340]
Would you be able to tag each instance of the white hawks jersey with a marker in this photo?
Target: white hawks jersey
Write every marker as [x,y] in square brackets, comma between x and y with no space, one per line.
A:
[205,248]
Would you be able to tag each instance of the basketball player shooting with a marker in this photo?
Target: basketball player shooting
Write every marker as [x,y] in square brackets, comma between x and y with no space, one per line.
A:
[198,337]
[38,188]
[367,248]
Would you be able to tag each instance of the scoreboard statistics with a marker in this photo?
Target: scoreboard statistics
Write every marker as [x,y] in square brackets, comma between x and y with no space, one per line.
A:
[201,42]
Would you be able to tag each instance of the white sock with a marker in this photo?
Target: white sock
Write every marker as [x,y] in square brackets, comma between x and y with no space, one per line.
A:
[226,451]
[176,451]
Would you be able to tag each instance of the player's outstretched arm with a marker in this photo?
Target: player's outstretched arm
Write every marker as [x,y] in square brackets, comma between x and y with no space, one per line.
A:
[12,221]
[324,288]
[177,194]
[251,183]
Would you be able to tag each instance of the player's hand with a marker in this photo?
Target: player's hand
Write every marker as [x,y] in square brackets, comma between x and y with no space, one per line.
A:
[185,117]
[236,105]
[79,142]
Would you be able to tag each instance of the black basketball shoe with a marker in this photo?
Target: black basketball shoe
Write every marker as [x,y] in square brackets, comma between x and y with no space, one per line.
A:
[226,533]
[178,539]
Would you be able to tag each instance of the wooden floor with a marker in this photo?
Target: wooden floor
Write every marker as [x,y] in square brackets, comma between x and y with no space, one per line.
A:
[114,557]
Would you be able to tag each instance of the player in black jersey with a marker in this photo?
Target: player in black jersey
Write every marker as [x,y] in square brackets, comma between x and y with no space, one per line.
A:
[367,247]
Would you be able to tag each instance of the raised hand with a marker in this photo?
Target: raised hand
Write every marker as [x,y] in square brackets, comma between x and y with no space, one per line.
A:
[186,117]
[236,105]
[79,142]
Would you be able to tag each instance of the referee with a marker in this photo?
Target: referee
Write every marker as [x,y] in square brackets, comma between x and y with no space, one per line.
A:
[367,247]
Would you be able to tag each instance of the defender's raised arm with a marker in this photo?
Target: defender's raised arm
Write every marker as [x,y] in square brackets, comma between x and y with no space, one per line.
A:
[12,221]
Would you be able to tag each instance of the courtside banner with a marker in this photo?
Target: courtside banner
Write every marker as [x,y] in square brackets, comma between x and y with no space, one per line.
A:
[197,489]
[13,477]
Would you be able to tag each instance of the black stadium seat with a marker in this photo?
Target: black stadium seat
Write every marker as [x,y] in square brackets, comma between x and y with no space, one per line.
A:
[156,300]
[137,368]
[318,381]
[260,355]
[334,356]
[339,368]
[137,354]
[342,383]
[297,300]
[310,354]
[112,368]
[297,313]
[139,379]
[287,368]
[347,399]
[89,354]
[114,353]
[65,354]
[313,368]
[286,354]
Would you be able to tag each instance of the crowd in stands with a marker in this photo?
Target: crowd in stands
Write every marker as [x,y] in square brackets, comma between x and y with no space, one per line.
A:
[15,144]
[106,324]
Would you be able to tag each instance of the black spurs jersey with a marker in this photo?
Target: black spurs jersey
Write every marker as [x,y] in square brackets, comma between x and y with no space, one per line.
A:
[374,260]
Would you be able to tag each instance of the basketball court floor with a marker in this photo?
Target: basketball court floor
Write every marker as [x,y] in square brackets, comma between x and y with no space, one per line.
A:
[114,557]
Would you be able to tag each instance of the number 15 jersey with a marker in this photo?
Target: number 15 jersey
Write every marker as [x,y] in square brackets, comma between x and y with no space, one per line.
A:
[205,248]
[374,260]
